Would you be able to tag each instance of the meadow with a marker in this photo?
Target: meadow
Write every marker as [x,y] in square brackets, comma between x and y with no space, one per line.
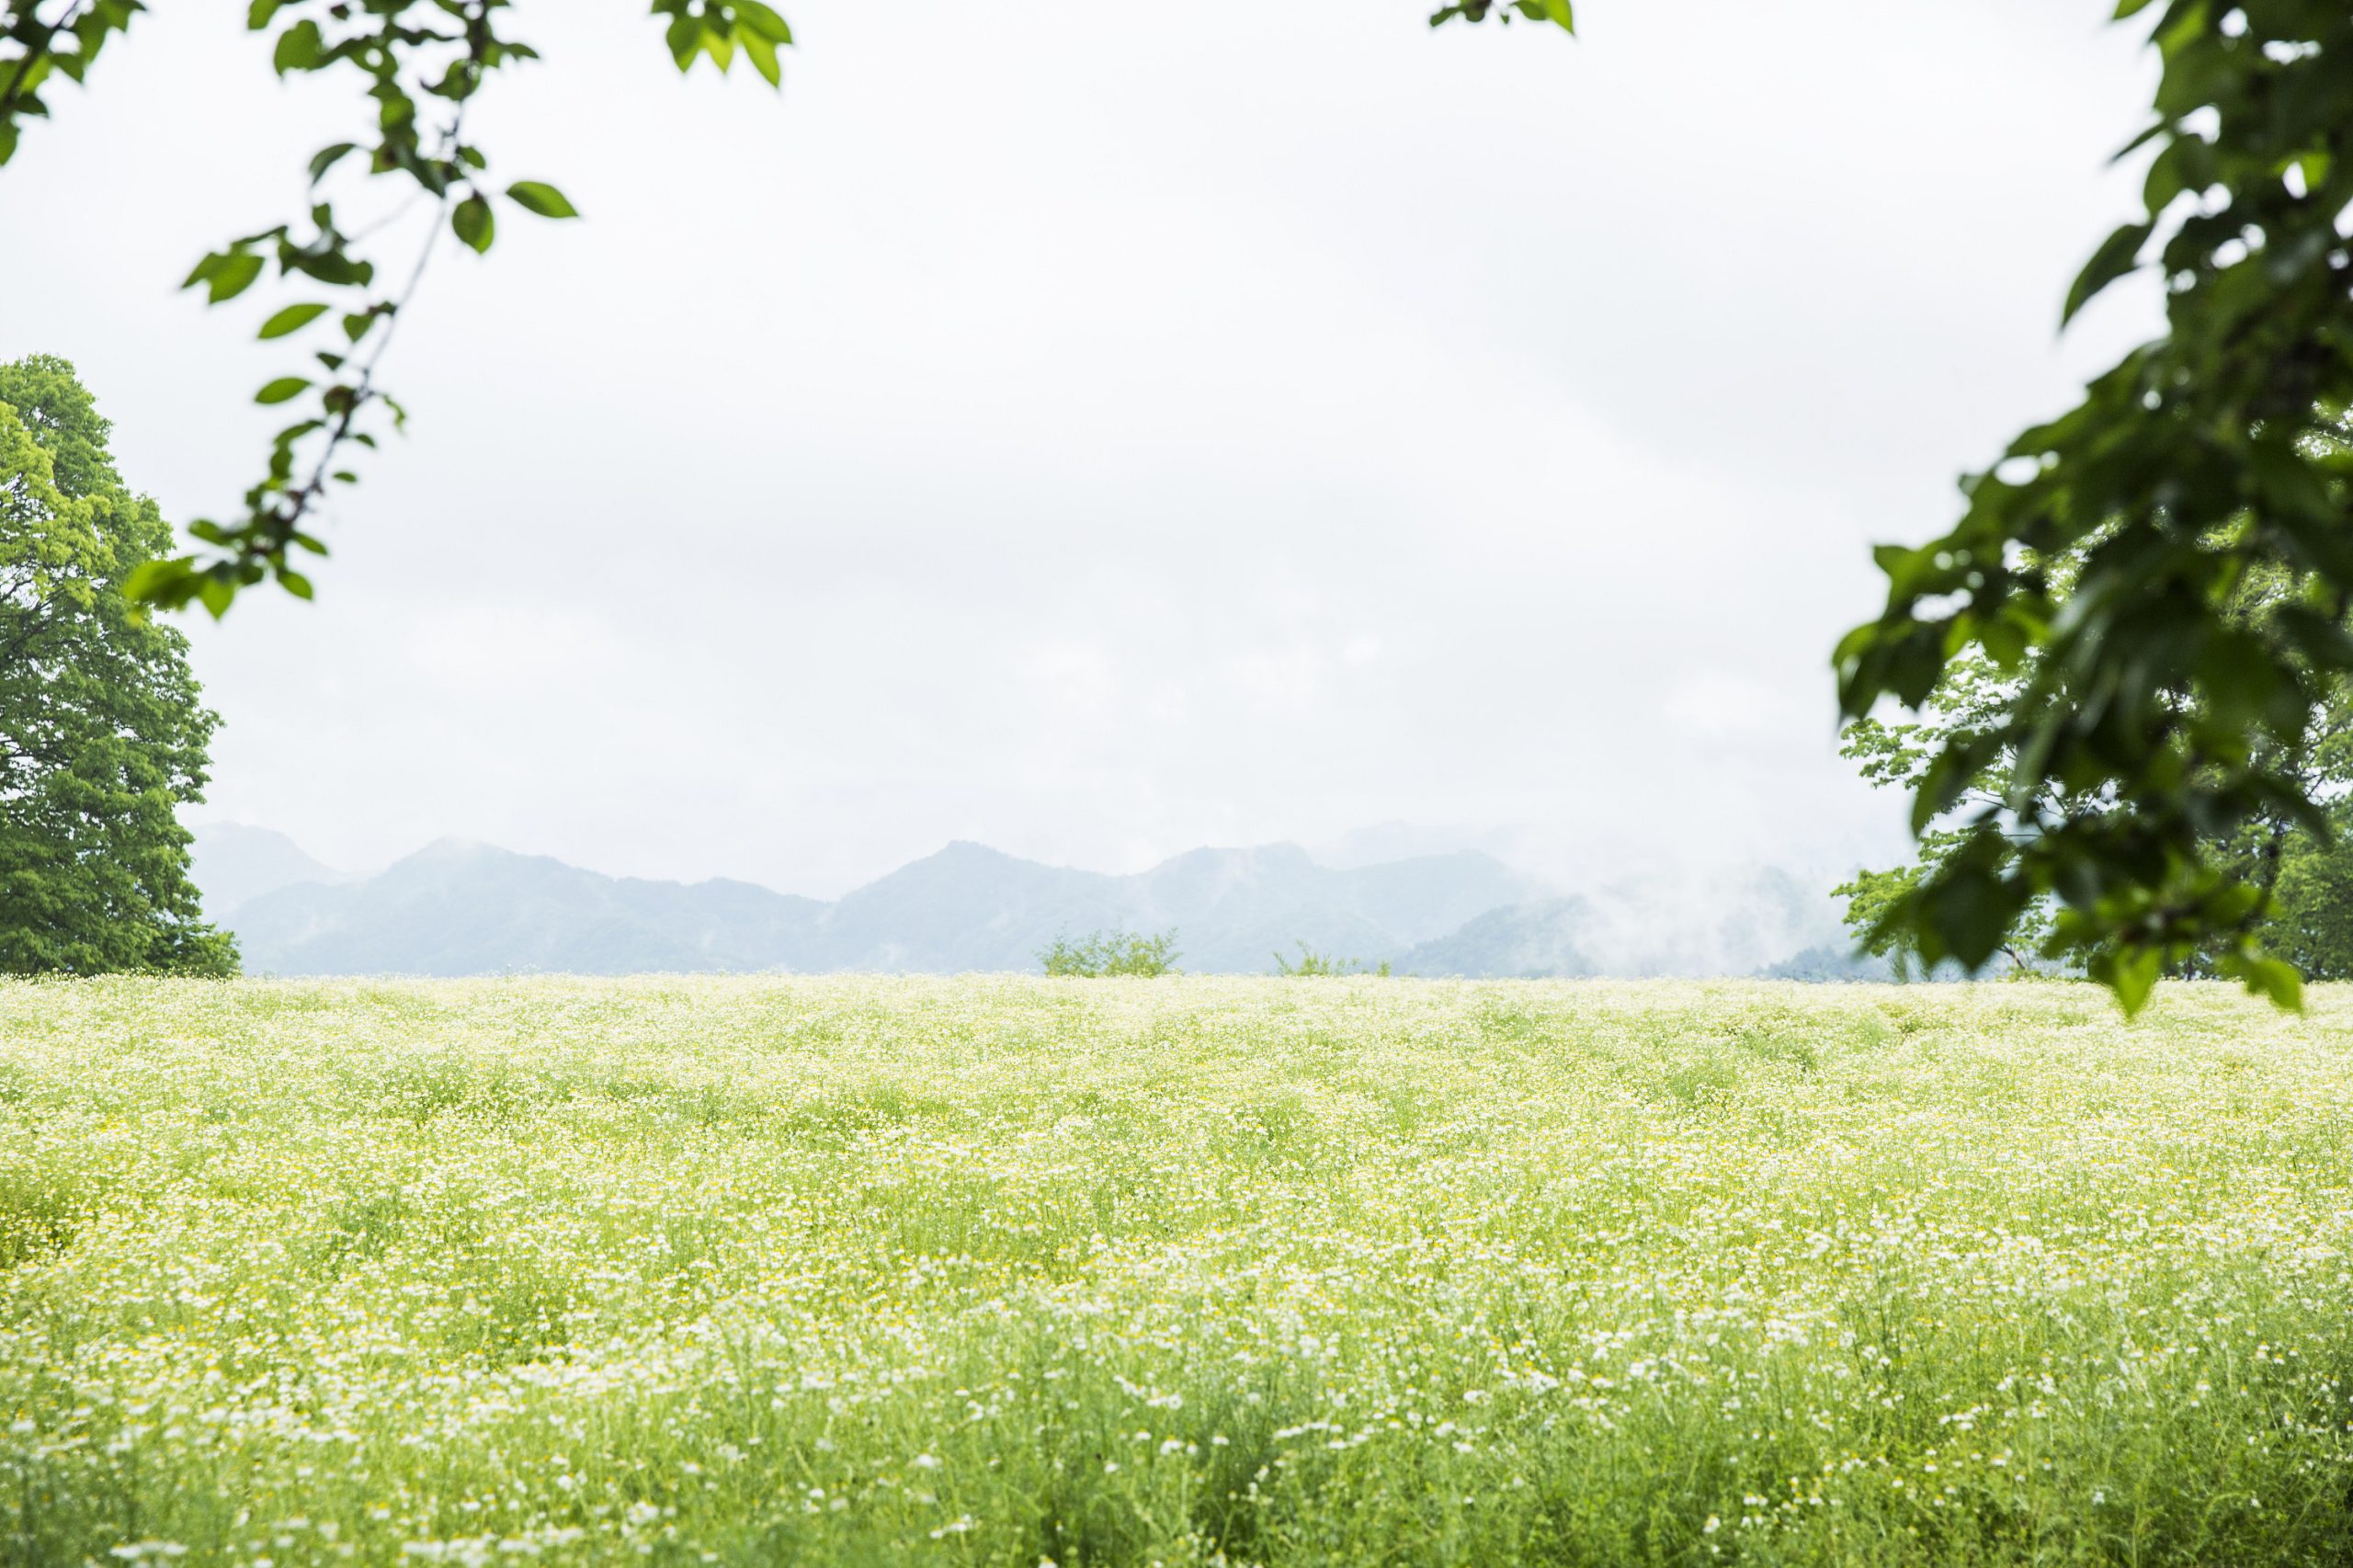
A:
[1027,1271]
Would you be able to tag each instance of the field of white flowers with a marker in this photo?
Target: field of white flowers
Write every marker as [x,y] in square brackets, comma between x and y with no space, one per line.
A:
[1019,1271]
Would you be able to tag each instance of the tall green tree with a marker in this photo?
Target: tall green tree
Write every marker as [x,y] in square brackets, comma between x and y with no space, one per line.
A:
[102,733]
[2314,923]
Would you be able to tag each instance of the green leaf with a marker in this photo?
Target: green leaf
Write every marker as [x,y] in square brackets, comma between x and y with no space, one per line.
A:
[159,581]
[760,21]
[299,49]
[474,223]
[763,54]
[2127,7]
[295,583]
[2277,980]
[281,389]
[235,277]
[326,158]
[538,195]
[2116,256]
[230,274]
[2132,974]
[2004,643]
[293,318]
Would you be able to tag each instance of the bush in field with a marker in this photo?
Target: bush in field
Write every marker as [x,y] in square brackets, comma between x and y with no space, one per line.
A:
[1112,952]
[1312,962]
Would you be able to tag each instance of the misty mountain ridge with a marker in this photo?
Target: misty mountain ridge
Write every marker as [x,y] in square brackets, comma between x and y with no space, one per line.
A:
[1740,921]
[457,908]
[233,863]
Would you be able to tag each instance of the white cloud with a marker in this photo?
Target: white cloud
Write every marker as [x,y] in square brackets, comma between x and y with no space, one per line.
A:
[1720,704]
[1055,427]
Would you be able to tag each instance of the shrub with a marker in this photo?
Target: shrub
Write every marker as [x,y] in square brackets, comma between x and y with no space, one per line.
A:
[1112,952]
[1312,962]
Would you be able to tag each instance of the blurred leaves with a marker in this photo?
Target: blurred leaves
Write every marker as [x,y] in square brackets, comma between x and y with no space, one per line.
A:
[1557,12]
[2117,255]
[293,318]
[2167,715]
[535,196]
[474,223]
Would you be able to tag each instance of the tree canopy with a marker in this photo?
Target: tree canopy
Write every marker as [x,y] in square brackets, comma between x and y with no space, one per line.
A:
[2299,871]
[2160,715]
[102,734]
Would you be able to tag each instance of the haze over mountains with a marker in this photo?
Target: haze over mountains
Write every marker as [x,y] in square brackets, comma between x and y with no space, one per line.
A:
[462,909]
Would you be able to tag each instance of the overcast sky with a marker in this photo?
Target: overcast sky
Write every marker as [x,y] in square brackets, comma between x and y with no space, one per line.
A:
[1101,430]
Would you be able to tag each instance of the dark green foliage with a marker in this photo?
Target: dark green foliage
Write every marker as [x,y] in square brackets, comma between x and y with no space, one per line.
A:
[1112,952]
[1970,696]
[102,736]
[2293,919]
[2162,721]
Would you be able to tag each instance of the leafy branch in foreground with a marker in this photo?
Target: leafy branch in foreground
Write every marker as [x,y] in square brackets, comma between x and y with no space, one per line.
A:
[422,62]
[420,59]
[1972,694]
[1557,12]
[2160,715]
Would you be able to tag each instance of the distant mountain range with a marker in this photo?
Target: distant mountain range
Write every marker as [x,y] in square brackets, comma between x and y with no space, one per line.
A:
[234,864]
[1735,923]
[456,909]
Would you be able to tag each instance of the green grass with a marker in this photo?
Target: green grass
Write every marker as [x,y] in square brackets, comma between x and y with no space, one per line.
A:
[1097,1272]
